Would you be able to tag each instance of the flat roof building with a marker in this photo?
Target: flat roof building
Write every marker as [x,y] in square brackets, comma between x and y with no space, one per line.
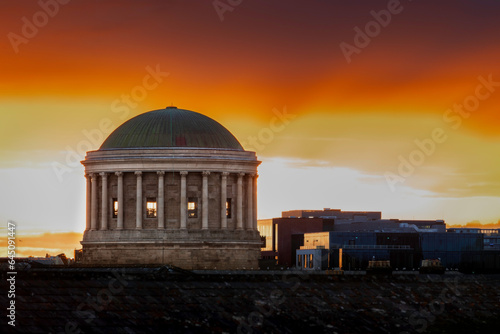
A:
[285,235]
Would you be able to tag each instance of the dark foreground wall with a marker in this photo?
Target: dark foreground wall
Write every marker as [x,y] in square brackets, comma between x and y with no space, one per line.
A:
[166,301]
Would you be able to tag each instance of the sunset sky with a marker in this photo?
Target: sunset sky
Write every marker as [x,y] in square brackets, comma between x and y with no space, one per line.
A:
[406,121]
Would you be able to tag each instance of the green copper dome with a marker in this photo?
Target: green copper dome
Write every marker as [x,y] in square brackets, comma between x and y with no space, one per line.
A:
[171,127]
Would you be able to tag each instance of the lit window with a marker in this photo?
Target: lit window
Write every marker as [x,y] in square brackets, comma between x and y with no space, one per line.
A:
[228,208]
[115,208]
[192,207]
[151,207]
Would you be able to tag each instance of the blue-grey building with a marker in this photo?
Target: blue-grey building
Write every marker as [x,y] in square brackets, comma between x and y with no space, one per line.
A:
[405,250]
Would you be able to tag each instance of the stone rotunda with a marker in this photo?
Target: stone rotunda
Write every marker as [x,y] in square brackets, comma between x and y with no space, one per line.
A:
[172,186]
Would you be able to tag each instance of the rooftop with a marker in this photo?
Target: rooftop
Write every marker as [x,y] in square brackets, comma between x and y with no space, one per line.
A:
[171,127]
[142,300]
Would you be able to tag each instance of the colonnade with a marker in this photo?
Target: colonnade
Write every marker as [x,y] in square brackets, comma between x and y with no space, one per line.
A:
[94,223]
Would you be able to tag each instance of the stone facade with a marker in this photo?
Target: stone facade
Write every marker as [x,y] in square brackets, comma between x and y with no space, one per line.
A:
[222,250]
[219,233]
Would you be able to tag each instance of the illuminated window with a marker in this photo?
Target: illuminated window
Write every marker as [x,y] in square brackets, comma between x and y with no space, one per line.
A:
[151,207]
[228,208]
[192,207]
[115,208]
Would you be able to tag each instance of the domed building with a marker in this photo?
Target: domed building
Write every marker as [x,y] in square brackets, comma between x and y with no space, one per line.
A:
[172,186]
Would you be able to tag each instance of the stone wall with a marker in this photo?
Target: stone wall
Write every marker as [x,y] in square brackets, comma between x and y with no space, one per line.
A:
[185,249]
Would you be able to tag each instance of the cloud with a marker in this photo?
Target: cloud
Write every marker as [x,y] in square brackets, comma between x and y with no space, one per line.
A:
[462,166]
[41,244]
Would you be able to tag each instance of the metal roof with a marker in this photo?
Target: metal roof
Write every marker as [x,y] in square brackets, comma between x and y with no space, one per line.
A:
[171,127]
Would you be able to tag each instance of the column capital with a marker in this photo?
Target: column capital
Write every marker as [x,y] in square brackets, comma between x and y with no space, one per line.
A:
[138,173]
[118,173]
[103,175]
[241,174]
[87,175]
[183,172]
[93,176]
[251,175]
[225,173]
[205,173]
[160,172]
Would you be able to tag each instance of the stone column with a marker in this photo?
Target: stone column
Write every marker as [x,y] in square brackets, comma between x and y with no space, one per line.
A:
[204,201]
[104,201]
[239,205]
[161,200]
[255,201]
[249,224]
[88,212]
[223,199]
[119,220]
[183,212]
[93,202]
[138,208]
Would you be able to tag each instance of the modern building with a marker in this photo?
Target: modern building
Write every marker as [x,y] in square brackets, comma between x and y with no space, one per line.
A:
[333,213]
[491,236]
[172,186]
[404,250]
[285,235]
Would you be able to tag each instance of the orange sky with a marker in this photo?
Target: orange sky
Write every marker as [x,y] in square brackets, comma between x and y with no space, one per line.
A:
[350,123]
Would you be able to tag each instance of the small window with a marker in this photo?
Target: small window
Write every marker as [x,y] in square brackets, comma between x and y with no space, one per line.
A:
[151,207]
[228,208]
[192,207]
[115,208]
